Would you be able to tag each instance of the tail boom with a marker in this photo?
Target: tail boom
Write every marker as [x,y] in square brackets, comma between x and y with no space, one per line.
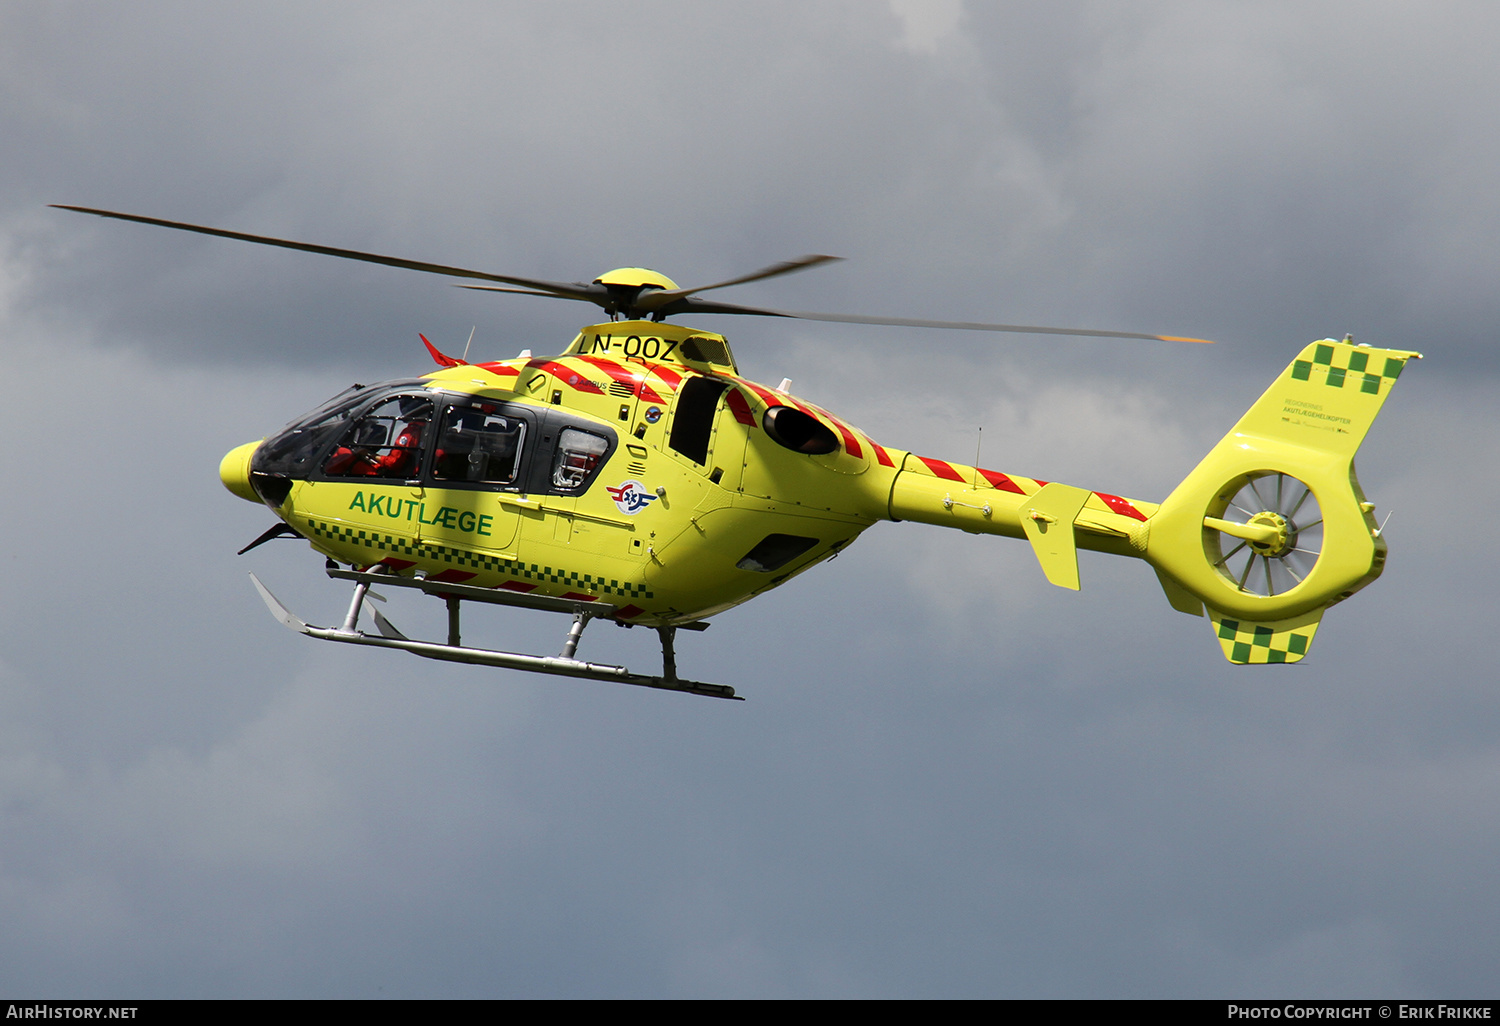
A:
[1057,519]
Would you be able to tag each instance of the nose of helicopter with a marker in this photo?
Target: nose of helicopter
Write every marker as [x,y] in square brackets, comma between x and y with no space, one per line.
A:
[234,471]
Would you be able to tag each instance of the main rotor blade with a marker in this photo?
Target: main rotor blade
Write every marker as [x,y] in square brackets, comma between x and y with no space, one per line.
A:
[655,300]
[568,290]
[1024,329]
[518,292]
[699,306]
[658,303]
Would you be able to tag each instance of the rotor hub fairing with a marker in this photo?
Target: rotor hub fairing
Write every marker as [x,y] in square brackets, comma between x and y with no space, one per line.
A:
[1285,540]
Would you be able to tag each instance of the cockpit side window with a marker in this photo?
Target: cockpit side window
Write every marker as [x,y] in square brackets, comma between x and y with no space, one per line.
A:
[386,443]
[479,444]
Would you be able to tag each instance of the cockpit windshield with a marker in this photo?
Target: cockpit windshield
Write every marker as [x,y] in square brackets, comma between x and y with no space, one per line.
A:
[291,453]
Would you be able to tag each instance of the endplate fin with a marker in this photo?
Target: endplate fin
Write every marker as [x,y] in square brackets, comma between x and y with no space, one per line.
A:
[1048,523]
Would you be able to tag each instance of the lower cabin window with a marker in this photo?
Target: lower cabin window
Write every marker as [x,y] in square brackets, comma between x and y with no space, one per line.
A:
[774,552]
[578,454]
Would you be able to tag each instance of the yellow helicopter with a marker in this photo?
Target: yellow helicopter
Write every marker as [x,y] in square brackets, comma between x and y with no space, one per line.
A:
[637,477]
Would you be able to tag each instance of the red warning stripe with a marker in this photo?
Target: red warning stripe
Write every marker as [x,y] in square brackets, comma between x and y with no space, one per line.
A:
[626,612]
[625,376]
[1001,481]
[782,399]
[881,456]
[504,370]
[579,595]
[517,586]
[767,396]
[851,444]
[452,576]
[668,377]
[740,407]
[621,374]
[941,469]
[568,376]
[1121,506]
[772,398]
[741,410]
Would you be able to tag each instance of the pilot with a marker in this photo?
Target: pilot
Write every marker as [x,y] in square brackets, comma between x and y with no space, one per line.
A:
[369,454]
[359,459]
[400,460]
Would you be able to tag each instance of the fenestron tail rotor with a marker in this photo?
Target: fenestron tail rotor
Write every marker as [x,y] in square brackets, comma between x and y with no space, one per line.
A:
[1269,535]
[633,293]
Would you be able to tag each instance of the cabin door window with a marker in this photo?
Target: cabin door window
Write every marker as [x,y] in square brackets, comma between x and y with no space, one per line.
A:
[693,417]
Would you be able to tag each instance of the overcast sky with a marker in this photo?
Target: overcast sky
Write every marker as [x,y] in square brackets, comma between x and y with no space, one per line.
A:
[950,778]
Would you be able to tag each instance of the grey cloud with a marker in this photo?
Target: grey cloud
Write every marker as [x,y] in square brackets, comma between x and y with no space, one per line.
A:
[950,779]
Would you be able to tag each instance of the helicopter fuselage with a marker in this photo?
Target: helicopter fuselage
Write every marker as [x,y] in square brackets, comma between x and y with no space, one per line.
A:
[637,469]
[637,477]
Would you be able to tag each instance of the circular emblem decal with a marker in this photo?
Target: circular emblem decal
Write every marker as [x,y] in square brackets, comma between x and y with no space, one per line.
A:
[653,414]
[631,497]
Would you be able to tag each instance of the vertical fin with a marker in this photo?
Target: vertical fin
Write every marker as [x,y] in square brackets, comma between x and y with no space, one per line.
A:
[1306,428]
[1181,599]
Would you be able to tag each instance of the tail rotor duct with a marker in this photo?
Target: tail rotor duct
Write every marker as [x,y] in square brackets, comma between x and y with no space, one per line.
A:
[1279,537]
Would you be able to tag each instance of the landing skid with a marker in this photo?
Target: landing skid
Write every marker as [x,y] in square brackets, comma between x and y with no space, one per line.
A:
[454,651]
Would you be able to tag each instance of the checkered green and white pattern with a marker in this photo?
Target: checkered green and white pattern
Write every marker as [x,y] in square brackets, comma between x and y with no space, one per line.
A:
[1342,366]
[515,569]
[1246,642]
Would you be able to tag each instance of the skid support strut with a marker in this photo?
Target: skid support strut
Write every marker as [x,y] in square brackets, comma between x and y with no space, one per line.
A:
[580,621]
[668,653]
[564,665]
[351,622]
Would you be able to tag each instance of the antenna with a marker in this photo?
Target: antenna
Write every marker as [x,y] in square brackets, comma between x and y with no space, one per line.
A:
[977,444]
[469,343]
